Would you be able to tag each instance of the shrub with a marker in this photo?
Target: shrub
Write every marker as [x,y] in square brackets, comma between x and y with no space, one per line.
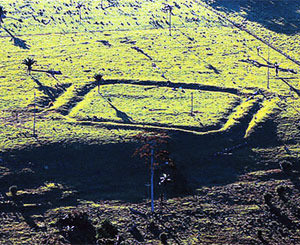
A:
[13,190]
[163,238]
[267,199]
[77,228]
[107,230]
[281,190]
[286,166]
[153,228]
[136,233]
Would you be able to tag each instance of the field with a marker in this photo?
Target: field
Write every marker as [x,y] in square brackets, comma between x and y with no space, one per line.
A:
[209,83]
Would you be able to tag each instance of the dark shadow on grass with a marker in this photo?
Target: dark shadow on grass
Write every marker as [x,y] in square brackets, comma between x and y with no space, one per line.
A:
[30,221]
[80,93]
[20,43]
[270,65]
[281,217]
[46,90]
[17,41]
[211,67]
[120,114]
[96,172]
[265,135]
[51,93]
[110,172]
[281,16]
[292,88]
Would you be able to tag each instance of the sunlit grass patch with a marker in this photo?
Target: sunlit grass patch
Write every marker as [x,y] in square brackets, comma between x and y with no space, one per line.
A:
[269,108]
[131,41]
[151,105]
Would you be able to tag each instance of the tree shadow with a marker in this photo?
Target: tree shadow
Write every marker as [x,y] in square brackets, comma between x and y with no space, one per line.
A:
[120,114]
[17,41]
[211,67]
[46,90]
[20,43]
[276,15]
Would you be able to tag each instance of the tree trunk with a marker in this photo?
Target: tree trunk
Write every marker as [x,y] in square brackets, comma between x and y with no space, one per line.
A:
[170,20]
[152,180]
[34,117]
[192,103]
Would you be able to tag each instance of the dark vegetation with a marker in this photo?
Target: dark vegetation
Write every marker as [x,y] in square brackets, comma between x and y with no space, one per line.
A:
[227,180]
[278,16]
[77,228]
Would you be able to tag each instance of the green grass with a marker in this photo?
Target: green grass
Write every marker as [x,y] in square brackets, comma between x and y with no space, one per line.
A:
[202,49]
[268,110]
[156,105]
[240,112]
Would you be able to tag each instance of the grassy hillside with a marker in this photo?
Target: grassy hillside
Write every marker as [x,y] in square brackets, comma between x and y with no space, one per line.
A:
[127,40]
[207,79]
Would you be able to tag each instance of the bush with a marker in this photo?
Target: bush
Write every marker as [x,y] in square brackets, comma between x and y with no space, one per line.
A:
[137,235]
[286,166]
[13,190]
[163,238]
[267,199]
[77,228]
[107,230]
[281,190]
[153,228]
